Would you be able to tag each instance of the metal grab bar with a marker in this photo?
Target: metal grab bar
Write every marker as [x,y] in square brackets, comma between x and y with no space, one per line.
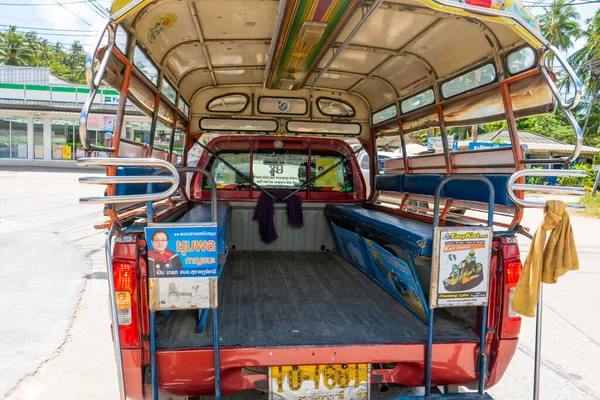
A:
[440,186]
[576,149]
[145,162]
[94,80]
[511,186]
[576,82]
[213,188]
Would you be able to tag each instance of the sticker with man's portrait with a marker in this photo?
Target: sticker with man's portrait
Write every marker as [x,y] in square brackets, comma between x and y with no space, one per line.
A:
[182,267]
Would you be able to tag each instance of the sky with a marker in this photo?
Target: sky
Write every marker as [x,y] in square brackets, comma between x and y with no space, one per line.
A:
[69,20]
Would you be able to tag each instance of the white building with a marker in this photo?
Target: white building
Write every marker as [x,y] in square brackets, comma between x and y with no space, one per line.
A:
[39,116]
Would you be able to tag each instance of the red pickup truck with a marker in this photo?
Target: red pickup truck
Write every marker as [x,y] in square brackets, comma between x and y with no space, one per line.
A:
[297,301]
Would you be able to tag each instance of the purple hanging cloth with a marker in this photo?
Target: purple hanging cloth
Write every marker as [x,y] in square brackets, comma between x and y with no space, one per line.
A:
[264,213]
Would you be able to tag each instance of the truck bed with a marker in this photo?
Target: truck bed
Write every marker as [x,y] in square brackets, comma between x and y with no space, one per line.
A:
[302,299]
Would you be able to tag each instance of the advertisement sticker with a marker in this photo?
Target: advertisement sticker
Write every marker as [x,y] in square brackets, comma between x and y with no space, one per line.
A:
[398,277]
[182,266]
[461,266]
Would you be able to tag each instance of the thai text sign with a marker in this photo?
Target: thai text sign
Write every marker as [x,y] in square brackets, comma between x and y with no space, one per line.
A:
[182,266]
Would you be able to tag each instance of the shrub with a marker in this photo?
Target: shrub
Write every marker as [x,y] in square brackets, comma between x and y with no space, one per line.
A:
[588,181]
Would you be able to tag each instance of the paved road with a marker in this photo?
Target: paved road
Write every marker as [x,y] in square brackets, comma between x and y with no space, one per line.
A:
[58,345]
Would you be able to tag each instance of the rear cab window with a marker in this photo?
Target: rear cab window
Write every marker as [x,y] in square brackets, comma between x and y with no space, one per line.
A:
[281,170]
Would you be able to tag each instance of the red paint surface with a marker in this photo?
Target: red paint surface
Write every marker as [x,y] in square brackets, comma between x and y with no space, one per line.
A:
[190,372]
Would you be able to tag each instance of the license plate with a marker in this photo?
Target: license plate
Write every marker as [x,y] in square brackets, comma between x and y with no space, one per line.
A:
[320,382]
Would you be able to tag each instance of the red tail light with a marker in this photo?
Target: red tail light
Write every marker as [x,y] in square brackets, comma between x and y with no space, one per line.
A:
[126,292]
[511,321]
[513,272]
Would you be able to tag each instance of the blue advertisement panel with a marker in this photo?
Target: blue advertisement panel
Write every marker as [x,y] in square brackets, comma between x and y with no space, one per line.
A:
[182,267]
[350,247]
[182,251]
[400,278]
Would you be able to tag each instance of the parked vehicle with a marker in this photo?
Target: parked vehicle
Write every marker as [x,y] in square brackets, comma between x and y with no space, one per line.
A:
[314,288]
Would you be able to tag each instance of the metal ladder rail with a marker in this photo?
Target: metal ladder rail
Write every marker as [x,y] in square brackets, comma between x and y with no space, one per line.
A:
[511,187]
[94,78]
[108,180]
[484,312]
[566,107]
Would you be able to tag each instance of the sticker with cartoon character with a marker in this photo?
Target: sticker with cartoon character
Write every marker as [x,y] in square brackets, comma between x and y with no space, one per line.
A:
[160,24]
[462,273]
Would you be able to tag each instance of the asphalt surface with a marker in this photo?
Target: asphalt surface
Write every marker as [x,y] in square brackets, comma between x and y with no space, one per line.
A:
[57,342]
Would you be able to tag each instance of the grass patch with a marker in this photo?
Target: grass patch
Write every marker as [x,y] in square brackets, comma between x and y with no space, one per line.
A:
[592,204]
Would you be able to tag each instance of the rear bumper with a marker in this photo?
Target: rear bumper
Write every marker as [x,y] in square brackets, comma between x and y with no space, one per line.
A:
[191,373]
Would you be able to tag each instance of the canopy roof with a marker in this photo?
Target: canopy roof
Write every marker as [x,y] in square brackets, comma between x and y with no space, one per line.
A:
[375,53]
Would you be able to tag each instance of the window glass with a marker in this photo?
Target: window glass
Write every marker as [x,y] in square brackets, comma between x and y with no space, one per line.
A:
[137,132]
[162,137]
[169,91]
[418,101]
[146,67]
[364,162]
[228,103]
[62,139]
[178,146]
[38,138]
[19,137]
[5,137]
[281,170]
[338,179]
[469,81]
[313,127]
[222,124]
[181,105]
[385,114]
[334,107]
[520,60]
[122,39]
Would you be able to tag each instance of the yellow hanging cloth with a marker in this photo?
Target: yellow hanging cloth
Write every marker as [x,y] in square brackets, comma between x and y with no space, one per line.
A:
[546,264]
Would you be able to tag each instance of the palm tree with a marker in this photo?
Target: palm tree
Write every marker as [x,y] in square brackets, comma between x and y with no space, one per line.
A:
[560,25]
[11,48]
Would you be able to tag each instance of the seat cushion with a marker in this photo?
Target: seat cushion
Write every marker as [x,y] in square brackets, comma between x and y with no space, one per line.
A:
[127,189]
[414,236]
[422,183]
[390,182]
[201,213]
[478,191]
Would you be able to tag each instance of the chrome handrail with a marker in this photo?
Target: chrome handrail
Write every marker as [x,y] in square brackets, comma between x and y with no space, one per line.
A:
[93,80]
[511,186]
[572,75]
[576,150]
[109,180]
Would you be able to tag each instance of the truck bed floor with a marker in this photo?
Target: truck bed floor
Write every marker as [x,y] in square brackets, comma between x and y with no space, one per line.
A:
[301,299]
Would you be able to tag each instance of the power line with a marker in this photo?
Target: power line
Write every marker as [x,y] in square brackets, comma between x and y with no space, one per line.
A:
[87,23]
[48,29]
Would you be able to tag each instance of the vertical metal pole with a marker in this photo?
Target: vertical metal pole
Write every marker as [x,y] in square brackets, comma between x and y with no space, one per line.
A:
[215,317]
[596,183]
[482,353]
[428,353]
[538,345]
[113,313]
[154,371]
[447,159]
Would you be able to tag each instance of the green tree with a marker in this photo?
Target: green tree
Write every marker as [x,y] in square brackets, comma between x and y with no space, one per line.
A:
[11,48]
[560,25]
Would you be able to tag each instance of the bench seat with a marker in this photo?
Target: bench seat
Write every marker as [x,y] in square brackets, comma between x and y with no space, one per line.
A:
[414,236]
[201,213]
